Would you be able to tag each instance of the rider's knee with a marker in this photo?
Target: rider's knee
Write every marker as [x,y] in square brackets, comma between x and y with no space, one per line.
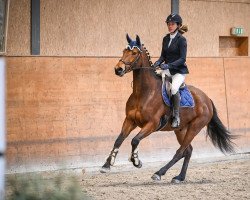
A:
[174,90]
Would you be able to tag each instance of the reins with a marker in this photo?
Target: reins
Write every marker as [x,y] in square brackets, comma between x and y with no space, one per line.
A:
[142,68]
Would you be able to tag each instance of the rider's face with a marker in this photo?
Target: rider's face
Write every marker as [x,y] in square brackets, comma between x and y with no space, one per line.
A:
[172,26]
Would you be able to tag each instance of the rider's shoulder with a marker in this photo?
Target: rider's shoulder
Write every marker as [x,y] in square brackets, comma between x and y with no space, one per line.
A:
[166,36]
[181,37]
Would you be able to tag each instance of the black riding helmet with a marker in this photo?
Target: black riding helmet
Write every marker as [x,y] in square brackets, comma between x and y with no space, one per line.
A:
[174,18]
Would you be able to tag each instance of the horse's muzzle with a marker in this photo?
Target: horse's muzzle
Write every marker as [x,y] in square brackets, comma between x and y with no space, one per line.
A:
[119,71]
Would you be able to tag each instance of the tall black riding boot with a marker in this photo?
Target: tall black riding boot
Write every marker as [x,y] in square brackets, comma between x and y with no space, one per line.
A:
[176,107]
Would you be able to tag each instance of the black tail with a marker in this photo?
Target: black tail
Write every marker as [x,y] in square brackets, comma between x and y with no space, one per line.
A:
[218,133]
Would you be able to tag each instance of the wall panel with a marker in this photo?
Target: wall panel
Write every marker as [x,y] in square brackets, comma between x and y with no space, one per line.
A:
[18,37]
[237,73]
[68,111]
[207,20]
[208,75]
[98,28]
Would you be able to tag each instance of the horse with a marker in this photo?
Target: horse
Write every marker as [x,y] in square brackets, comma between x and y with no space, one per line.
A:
[145,109]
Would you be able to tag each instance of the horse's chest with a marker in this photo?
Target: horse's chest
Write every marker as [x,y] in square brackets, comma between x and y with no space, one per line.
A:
[142,108]
[140,114]
[139,117]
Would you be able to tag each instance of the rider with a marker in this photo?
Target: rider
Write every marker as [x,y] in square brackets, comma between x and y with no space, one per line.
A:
[172,60]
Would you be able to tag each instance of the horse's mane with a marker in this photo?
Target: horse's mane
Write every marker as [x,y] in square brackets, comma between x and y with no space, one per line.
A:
[148,55]
[150,62]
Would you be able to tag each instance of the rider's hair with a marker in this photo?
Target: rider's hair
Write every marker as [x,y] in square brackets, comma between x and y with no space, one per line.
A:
[183,29]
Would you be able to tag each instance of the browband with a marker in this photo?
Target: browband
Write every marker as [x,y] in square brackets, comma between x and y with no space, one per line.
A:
[131,48]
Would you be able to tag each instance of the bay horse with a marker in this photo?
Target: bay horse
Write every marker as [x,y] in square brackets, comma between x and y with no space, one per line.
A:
[145,109]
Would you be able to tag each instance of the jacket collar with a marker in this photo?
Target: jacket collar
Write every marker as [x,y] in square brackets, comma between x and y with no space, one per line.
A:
[174,40]
[173,35]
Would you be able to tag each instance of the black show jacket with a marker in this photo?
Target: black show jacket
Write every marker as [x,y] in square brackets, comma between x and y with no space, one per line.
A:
[175,54]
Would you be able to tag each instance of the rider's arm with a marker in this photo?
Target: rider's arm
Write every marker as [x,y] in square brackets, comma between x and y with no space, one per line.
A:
[161,59]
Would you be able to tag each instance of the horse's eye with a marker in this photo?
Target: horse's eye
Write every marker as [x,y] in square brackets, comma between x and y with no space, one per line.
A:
[134,53]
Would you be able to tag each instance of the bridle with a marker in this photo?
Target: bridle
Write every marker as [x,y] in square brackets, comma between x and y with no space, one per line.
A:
[129,66]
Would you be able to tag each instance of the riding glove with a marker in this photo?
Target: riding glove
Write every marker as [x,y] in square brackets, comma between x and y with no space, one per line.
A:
[157,63]
[164,66]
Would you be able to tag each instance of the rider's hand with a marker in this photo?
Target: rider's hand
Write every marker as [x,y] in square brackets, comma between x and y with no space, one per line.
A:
[164,66]
[158,71]
[156,64]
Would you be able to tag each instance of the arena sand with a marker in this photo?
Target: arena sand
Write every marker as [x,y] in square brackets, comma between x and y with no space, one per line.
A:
[223,178]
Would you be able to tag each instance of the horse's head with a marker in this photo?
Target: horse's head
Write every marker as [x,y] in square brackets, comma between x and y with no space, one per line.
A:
[130,58]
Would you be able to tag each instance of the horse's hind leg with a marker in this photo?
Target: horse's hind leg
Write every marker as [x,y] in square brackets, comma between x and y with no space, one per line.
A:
[187,155]
[180,134]
[128,126]
[193,129]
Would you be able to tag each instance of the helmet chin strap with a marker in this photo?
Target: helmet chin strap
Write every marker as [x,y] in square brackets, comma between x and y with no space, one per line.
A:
[174,31]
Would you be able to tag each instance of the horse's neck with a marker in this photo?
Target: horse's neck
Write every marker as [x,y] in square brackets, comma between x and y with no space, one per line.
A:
[144,80]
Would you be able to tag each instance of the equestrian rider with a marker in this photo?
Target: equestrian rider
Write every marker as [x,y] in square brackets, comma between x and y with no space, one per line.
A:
[172,60]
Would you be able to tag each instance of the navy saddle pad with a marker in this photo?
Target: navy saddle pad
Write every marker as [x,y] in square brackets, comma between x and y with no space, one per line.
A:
[186,97]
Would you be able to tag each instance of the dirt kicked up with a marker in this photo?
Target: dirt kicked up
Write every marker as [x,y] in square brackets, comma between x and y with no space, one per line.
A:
[227,178]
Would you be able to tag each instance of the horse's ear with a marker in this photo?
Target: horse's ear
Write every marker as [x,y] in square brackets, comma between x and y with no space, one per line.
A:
[128,38]
[138,41]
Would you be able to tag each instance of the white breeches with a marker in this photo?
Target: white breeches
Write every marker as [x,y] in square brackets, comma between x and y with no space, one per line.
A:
[177,80]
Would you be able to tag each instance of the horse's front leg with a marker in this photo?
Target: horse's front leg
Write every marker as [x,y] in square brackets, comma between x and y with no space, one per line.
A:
[145,131]
[128,126]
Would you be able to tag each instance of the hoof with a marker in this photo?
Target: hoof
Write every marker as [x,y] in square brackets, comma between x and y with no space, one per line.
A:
[156,177]
[104,170]
[139,165]
[176,181]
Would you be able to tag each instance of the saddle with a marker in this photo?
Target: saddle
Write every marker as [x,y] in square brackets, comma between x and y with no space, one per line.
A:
[186,96]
